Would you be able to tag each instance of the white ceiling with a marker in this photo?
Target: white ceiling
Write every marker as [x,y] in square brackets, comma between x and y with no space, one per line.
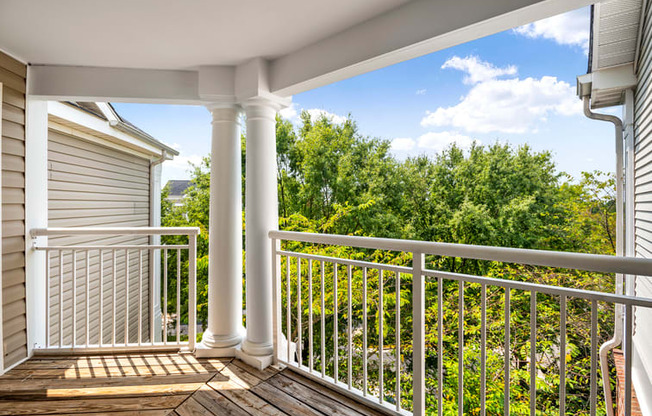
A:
[172,34]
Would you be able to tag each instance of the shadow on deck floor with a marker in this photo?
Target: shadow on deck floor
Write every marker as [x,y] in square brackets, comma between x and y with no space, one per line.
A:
[164,384]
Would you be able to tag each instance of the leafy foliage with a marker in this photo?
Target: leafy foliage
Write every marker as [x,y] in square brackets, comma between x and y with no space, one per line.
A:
[331,179]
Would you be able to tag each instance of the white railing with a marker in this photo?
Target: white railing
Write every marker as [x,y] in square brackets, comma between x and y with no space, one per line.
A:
[104,297]
[379,352]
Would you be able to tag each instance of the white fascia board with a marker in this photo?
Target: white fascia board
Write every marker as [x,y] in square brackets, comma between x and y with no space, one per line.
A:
[100,126]
[74,83]
[615,78]
[414,29]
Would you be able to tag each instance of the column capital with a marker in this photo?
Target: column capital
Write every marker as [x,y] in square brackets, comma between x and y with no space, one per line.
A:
[224,112]
[265,106]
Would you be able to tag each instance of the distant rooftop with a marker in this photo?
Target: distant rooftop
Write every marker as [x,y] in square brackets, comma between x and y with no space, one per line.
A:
[178,187]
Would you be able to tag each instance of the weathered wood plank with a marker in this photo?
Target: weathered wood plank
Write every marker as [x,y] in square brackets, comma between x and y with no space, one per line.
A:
[237,390]
[13,407]
[192,408]
[19,386]
[134,388]
[331,393]
[122,360]
[216,403]
[283,401]
[317,400]
[108,372]
[261,374]
[233,374]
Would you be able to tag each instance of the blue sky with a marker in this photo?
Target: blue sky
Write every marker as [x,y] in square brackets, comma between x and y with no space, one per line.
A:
[516,86]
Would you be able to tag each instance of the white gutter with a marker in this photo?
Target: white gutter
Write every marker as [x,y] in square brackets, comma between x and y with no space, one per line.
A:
[620,250]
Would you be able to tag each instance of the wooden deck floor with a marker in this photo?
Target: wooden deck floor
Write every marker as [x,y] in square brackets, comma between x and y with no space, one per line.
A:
[164,384]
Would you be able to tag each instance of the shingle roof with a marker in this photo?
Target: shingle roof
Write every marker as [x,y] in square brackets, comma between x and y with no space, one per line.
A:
[178,187]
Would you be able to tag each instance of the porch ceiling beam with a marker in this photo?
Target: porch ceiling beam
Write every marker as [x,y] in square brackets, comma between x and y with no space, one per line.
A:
[73,83]
[417,28]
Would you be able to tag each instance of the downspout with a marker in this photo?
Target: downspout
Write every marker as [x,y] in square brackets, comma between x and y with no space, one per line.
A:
[620,251]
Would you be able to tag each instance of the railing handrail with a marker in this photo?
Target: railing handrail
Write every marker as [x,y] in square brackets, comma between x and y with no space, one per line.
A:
[38,232]
[504,283]
[581,261]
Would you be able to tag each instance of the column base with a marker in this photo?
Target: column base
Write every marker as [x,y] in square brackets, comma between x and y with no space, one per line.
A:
[260,362]
[203,351]
[213,346]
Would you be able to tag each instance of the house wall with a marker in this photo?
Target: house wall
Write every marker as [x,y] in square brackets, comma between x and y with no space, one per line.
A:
[90,185]
[13,78]
[642,246]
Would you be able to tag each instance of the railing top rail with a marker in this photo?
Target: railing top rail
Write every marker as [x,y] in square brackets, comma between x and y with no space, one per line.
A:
[580,261]
[57,231]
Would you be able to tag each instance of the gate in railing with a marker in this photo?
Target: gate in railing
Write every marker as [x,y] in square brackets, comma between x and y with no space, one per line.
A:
[346,318]
[114,296]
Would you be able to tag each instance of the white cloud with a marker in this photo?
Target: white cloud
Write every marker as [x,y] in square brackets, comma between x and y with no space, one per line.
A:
[508,106]
[403,144]
[477,70]
[438,141]
[316,114]
[293,112]
[290,112]
[422,92]
[570,29]
[182,162]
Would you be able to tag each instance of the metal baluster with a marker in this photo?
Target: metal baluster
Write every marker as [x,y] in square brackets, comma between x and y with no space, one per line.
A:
[381,342]
[165,296]
[60,298]
[140,297]
[310,317]
[299,313]
[47,298]
[533,353]
[152,295]
[88,289]
[460,349]
[113,301]
[178,296]
[126,296]
[192,291]
[483,349]
[288,316]
[629,320]
[350,331]
[562,357]
[336,360]
[74,298]
[507,348]
[440,346]
[594,356]
[100,253]
[418,335]
[323,323]
[364,331]
[397,335]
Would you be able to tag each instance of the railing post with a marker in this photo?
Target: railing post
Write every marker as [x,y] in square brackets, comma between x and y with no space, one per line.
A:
[276,299]
[419,335]
[192,291]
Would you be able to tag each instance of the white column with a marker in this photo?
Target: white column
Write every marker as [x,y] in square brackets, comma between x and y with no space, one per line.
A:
[224,331]
[36,216]
[261,216]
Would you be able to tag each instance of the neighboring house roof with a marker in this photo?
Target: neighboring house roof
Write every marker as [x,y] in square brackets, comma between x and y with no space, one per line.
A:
[107,112]
[177,187]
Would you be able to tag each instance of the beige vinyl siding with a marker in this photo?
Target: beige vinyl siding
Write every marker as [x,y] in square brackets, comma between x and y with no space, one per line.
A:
[90,185]
[12,77]
[643,186]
